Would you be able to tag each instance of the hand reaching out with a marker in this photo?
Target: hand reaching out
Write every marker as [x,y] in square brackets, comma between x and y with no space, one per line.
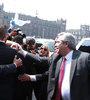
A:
[16,61]
[18,48]
[24,77]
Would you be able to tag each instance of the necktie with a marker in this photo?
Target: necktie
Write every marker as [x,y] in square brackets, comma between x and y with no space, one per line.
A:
[58,90]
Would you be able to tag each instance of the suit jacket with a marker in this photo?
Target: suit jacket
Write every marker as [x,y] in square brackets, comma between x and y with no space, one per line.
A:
[44,61]
[7,69]
[7,82]
[79,74]
[79,77]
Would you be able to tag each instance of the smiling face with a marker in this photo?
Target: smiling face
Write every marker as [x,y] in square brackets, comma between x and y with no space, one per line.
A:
[62,46]
[44,50]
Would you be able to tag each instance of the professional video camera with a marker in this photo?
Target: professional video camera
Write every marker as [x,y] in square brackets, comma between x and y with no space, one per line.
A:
[19,32]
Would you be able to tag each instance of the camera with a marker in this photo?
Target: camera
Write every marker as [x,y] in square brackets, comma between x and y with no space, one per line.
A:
[19,32]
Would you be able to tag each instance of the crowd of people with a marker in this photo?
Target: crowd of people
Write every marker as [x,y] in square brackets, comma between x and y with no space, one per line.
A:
[65,75]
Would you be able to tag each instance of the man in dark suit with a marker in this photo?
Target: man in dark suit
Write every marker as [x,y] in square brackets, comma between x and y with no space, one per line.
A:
[76,76]
[7,54]
[10,68]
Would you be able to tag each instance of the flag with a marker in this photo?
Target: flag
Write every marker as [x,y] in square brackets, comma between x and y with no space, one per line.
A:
[12,22]
[17,21]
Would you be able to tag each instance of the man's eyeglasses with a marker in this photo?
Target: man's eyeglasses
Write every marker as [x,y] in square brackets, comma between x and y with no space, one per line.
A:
[43,49]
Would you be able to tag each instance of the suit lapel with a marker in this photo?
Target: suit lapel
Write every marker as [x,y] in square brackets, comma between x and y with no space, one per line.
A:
[57,70]
[73,64]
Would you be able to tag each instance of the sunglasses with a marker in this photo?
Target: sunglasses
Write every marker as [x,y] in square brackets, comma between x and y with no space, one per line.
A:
[43,49]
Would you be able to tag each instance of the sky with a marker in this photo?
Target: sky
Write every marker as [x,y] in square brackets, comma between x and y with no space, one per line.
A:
[75,12]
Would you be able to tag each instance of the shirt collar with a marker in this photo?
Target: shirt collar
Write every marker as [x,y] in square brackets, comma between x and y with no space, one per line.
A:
[69,55]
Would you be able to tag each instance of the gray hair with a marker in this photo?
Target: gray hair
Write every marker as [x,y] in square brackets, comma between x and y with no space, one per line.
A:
[65,36]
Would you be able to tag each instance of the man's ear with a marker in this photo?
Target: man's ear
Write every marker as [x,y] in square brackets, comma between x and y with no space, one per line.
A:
[67,43]
[5,37]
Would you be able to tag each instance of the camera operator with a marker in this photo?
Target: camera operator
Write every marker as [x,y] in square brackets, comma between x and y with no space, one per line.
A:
[16,32]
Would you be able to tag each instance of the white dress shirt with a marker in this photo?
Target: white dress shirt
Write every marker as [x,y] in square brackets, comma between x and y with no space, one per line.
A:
[65,88]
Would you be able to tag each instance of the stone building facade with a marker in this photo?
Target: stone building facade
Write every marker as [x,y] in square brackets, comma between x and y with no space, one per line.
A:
[83,32]
[38,27]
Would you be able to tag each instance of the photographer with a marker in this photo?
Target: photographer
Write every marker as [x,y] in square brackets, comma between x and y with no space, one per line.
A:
[16,32]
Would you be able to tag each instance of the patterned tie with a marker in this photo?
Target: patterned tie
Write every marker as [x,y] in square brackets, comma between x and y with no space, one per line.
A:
[57,95]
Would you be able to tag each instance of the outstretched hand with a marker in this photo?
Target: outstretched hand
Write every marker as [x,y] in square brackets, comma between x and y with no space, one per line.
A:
[16,61]
[18,48]
[24,77]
